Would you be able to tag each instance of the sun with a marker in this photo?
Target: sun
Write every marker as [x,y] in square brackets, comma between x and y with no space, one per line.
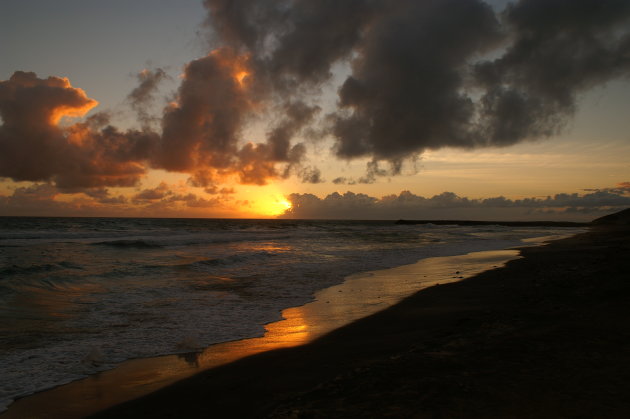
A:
[267,201]
[279,206]
[273,206]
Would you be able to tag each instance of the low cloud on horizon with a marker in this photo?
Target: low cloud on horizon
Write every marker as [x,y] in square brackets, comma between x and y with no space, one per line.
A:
[161,201]
[172,201]
[448,205]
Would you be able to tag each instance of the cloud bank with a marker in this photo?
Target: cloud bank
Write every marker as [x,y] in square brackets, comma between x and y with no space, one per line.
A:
[448,205]
[170,200]
[423,74]
[163,200]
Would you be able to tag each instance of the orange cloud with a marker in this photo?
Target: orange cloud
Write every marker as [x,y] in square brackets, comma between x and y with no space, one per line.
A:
[201,130]
[82,105]
[34,147]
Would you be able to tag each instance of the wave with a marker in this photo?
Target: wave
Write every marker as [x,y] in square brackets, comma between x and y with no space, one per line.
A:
[16,270]
[136,244]
[235,259]
[35,269]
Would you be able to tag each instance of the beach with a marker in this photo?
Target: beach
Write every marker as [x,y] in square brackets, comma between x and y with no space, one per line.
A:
[545,336]
[358,296]
[116,308]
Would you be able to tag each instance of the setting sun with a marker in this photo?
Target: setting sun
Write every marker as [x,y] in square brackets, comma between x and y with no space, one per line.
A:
[273,206]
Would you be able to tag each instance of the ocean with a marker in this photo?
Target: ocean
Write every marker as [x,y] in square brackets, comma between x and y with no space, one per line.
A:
[81,295]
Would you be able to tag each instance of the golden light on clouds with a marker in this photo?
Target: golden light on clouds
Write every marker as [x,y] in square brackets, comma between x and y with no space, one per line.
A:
[240,77]
[81,105]
[239,64]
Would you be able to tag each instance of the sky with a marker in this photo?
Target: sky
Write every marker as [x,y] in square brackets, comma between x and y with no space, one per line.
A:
[369,109]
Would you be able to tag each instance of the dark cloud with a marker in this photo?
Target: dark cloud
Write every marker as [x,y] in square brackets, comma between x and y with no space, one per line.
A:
[202,127]
[34,147]
[143,95]
[163,200]
[405,91]
[113,200]
[295,116]
[37,199]
[31,145]
[349,205]
[311,175]
[153,194]
[165,197]
[419,79]
[372,172]
[257,163]
[293,42]
[448,205]
[103,196]
[100,193]
[253,167]
[193,201]
[40,200]
[620,189]
[213,189]
[559,48]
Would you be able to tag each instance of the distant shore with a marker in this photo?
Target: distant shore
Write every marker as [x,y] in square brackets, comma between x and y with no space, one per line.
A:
[500,223]
[546,336]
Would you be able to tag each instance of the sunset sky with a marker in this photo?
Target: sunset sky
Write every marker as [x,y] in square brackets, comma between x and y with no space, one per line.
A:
[328,109]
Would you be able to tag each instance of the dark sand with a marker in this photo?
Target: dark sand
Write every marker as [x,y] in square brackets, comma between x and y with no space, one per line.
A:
[546,336]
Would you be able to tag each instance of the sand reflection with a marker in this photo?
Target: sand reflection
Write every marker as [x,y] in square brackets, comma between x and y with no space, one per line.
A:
[359,296]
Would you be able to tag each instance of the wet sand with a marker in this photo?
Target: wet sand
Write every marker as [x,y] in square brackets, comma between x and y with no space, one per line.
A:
[546,336]
[360,295]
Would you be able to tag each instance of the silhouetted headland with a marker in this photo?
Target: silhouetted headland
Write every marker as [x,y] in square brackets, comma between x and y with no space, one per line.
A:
[621,218]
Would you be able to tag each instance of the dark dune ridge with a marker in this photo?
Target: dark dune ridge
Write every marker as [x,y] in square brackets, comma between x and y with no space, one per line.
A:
[546,336]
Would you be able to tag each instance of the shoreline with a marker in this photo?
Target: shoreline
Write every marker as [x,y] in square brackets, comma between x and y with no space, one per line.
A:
[544,336]
[138,377]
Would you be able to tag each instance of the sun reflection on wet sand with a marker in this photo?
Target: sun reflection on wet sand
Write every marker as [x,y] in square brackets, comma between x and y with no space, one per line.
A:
[358,296]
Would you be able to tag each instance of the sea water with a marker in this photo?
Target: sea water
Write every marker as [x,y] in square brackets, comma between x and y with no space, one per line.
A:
[80,295]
